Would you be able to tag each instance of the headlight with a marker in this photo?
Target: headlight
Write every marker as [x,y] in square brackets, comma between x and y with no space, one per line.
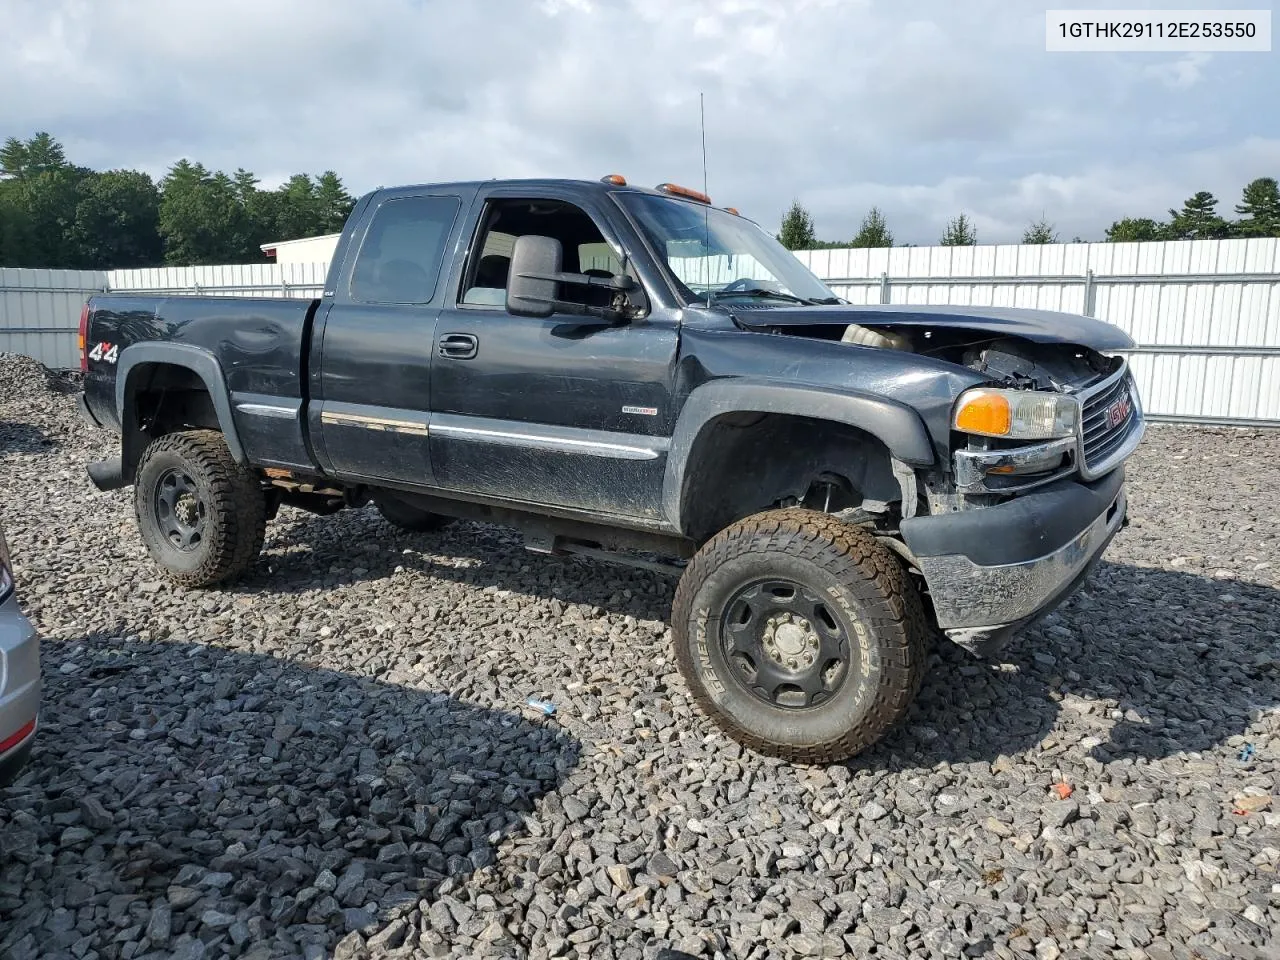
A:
[1016,414]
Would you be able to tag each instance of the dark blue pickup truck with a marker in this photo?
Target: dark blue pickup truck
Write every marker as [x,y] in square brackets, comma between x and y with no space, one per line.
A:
[612,368]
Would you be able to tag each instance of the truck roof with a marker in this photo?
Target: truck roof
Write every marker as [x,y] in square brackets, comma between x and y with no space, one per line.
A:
[603,185]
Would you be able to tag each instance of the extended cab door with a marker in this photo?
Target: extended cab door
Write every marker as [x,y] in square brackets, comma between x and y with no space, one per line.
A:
[555,411]
[371,409]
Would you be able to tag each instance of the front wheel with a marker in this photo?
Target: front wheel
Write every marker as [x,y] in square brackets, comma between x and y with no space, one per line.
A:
[202,516]
[800,635]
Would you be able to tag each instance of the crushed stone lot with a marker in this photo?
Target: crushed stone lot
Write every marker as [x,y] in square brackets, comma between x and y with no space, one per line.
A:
[334,757]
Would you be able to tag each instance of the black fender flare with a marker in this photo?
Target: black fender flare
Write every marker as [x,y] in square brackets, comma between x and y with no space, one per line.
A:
[894,424]
[196,359]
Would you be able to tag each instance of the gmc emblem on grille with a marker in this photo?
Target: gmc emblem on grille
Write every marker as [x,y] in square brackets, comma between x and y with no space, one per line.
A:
[1118,412]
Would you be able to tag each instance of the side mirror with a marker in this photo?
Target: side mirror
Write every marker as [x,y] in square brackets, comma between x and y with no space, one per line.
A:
[536,275]
[533,285]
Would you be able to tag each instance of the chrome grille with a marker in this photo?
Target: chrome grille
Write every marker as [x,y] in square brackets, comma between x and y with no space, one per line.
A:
[1100,437]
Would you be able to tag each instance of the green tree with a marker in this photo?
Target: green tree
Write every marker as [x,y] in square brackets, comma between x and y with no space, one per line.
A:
[299,209]
[960,232]
[874,231]
[203,217]
[116,221]
[29,158]
[1259,209]
[1042,231]
[797,229]
[45,204]
[1135,230]
[333,201]
[1198,219]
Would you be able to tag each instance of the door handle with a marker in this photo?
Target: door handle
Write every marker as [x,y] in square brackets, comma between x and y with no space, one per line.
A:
[458,346]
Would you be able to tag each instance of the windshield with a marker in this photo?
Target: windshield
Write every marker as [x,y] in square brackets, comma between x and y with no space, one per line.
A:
[715,254]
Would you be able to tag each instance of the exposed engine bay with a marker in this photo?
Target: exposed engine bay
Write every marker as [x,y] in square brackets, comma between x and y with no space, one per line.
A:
[1031,366]
[1010,362]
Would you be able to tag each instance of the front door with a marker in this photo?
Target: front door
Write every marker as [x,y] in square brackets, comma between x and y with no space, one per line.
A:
[549,411]
[371,414]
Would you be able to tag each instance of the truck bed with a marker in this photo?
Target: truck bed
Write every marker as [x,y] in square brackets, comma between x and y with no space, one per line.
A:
[261,348]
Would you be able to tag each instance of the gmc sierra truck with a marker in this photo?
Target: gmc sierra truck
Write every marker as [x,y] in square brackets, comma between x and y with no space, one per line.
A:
[636,371]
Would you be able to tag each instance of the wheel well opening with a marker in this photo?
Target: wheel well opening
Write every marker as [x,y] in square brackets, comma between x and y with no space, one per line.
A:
[742,463]
[165,397]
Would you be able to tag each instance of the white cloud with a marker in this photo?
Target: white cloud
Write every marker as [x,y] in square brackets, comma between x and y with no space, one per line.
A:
[842,104]
[1181,73]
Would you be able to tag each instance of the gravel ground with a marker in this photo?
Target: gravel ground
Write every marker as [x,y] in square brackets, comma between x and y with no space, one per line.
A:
[334,757]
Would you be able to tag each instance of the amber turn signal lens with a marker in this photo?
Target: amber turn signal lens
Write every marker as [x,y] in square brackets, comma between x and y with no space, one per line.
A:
[679,191]
[984,412]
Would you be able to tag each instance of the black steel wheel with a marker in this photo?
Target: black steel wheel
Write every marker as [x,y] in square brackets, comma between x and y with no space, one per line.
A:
[785,644]
[181,514]
[800,635]
[202,516]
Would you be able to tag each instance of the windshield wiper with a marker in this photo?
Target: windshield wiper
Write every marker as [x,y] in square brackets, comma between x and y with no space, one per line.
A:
[761,292]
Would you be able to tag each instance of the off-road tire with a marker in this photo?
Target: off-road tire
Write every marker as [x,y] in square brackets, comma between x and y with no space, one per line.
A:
[234,502]
[871,599]
[403,516]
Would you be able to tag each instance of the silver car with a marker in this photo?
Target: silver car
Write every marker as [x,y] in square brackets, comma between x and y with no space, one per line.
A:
[19,676]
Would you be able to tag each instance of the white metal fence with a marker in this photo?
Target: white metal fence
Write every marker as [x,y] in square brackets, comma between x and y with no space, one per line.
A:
[1205,314]
[40,312]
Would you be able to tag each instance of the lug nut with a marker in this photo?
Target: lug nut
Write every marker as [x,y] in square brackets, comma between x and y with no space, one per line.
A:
[792,664]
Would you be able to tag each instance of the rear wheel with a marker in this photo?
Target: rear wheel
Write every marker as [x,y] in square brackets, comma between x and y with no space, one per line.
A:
[800,635]
[406,517]
[202,516]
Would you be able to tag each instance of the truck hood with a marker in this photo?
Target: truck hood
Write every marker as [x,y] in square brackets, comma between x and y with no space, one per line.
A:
[1040,326]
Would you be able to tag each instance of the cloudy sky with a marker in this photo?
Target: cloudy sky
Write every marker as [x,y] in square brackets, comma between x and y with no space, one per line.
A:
[924,108]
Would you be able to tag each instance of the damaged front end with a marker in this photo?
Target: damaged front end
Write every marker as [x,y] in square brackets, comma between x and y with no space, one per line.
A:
[1035,491]
[1029,488]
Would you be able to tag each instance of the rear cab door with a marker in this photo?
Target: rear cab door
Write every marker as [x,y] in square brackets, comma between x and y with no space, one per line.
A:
[371,377]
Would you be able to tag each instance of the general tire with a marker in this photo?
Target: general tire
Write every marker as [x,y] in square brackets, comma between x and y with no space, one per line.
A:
[222,499]
[850,586]
[406,517]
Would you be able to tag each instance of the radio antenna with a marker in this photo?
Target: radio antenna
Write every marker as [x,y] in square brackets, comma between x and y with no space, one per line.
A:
[706,213]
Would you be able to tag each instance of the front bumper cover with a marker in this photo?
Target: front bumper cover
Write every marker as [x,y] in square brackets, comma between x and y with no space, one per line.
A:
[994,570]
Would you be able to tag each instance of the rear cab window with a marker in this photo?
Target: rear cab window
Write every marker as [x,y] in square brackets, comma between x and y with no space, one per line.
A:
[403,249]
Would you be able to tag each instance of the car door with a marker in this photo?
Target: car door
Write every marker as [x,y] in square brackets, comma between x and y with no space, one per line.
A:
[551,411]
[371,413]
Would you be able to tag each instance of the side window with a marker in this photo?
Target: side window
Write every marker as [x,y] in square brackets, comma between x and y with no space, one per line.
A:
[484,282]
[399,260]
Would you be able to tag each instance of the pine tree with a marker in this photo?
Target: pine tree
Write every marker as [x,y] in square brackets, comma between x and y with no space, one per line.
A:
[333,201]
[797,229]
[874,231]
[1259,208]
[960,232]
[1042,231]
[1198,219]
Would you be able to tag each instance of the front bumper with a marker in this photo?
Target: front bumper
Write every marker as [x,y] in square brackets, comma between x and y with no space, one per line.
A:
[991,571]
[19,688]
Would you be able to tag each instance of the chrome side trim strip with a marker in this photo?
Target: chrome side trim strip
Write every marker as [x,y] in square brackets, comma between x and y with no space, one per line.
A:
[267,410]
[590,443]
[382,424]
